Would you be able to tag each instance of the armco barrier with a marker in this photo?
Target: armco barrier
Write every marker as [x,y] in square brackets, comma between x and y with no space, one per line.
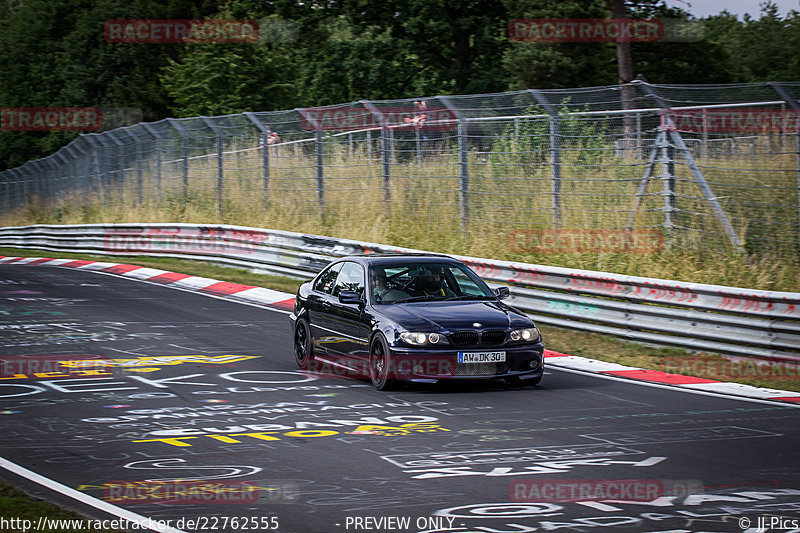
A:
[727,320]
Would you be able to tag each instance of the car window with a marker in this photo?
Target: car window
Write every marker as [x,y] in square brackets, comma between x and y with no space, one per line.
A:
[417,280]
[465,284]
[351,278]
[325,282]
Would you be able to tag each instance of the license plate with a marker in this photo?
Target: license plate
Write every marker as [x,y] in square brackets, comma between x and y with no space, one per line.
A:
[481,357]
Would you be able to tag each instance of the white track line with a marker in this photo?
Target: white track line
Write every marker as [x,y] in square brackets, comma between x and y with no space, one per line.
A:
[144,522]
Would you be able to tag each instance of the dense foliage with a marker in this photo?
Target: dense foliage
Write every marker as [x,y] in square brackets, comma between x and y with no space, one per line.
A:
[53,54]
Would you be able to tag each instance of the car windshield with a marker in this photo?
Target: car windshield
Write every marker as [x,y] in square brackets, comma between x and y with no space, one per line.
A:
[412,281]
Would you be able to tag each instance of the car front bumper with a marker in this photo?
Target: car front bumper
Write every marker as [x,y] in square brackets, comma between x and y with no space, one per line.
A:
[426,365]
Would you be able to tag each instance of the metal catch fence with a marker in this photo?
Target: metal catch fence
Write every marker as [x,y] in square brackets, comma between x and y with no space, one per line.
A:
[708,166]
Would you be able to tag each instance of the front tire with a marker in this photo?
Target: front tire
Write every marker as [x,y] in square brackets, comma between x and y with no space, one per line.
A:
[303,347]
[380,364]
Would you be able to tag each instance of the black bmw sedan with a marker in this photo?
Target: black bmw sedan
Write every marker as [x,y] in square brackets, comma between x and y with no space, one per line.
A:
[421,318]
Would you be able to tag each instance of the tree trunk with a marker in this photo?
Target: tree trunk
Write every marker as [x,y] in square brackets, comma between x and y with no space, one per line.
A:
[625,70]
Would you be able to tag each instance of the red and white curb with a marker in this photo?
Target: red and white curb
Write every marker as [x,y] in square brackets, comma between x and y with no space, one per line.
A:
[235,291]
[281,300]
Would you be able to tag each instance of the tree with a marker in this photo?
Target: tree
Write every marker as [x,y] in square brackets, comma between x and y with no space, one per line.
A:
[53,54]
[219,79]
[765,49]
[455,45]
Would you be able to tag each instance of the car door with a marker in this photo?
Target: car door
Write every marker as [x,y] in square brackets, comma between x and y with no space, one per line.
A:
[319,304]
[347,319]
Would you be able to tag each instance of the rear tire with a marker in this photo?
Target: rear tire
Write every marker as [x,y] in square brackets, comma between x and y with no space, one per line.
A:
[380,364]
[303,347]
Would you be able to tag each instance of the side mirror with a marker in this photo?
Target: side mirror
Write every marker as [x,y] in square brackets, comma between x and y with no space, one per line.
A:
[349,297]
[502,293]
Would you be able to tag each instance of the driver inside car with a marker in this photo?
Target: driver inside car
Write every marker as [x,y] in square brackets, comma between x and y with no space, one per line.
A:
[431,283]
[381,291]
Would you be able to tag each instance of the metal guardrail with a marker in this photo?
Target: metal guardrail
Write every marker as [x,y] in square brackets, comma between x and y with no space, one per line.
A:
[735,321]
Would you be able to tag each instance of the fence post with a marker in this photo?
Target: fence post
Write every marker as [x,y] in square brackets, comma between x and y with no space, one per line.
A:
[12,188]
[25,185]
[50,182]
[350,147]
[794,104]
[23,199]
[677,141]
[139,172]
[61,187]
[18,186]
[320,162]
[220,170]
[185,147]
[120,162]
[52,177]
[89,159]
[265,131]
[36,180]
[667,161]
[158,146]
[555,154]
[704,149]
[94,163]
[3,191]
[463,160]
[386,148]
[70,175]
[639,147]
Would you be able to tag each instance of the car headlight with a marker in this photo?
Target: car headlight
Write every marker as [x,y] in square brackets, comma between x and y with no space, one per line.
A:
[526,335]
[418,338]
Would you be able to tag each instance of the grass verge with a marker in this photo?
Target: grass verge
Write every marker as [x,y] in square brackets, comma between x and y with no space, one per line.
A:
[17,506]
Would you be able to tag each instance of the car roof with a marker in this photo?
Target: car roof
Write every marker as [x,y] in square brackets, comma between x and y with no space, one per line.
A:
[379,258]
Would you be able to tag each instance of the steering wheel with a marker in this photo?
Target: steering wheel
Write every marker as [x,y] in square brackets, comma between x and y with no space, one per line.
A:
[408,284]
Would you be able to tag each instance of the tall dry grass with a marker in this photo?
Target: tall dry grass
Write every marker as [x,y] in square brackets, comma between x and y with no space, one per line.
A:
[507,191]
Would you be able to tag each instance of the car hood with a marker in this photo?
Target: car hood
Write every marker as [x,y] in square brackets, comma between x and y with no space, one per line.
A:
[452,316]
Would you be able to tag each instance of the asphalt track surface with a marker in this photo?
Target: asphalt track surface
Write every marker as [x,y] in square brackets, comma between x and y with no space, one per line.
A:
[192,387]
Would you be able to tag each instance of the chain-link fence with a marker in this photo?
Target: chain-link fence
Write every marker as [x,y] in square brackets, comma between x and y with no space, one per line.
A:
[712,166]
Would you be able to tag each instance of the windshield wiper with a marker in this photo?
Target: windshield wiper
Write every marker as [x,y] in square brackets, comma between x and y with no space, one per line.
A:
[469,297]
[415,299]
